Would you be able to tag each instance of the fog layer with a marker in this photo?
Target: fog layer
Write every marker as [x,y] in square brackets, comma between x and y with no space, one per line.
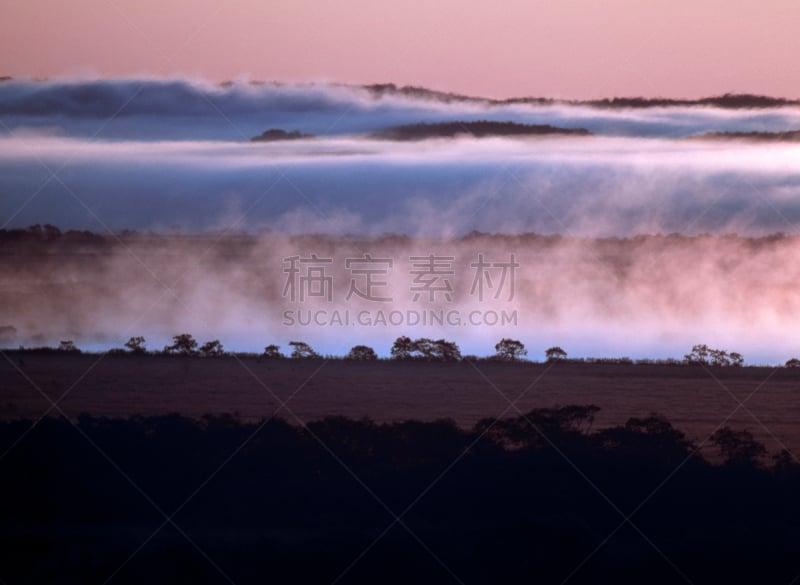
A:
[641,297]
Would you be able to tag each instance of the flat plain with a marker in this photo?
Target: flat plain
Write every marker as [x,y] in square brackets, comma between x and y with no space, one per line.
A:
[695,399]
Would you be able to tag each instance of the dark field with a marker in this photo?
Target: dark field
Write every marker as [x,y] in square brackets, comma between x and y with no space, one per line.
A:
[503,492]
[695,399]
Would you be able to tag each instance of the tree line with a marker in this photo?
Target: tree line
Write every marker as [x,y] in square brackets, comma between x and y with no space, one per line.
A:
[405,348]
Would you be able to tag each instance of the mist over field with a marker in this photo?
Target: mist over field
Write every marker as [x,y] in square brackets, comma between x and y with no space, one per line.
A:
[640,297]
[176,157]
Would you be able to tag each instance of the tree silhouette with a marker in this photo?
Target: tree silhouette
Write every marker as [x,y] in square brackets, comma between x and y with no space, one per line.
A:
[68,345]
[555,354]
[183,344]
[301,350]
[136,345]
[402,348]
[446,351]
[423,348]
[362,353]
[718,357]
[703,355]
[510,349]
[273,352]
[738,447]
[698,355]
[212,349]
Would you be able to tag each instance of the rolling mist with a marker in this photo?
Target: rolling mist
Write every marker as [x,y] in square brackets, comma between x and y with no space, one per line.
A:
[638,297]
[632,236]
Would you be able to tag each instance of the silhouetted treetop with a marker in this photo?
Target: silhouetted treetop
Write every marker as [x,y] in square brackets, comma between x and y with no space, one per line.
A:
[510,349]
[212,349]
[301,350]
[402,348]
[182,344]
[136,344]
[425,349]
[69,346]
[273,351]
[555,353]
[701,354]
[362,353]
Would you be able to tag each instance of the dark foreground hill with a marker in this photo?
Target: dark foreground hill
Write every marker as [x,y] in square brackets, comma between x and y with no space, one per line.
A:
[527,499]
[544,494]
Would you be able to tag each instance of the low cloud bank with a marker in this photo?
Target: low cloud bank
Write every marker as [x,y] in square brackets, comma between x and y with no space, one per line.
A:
[183,109]
[588,186]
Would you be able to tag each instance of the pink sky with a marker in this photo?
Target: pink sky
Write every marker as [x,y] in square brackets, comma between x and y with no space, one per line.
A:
[564,48]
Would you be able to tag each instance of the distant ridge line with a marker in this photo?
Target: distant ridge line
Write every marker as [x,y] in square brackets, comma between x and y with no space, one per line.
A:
[727,100]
